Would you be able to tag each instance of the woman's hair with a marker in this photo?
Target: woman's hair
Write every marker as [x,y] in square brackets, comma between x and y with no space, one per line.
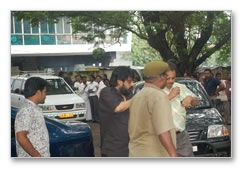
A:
[120,73]
[32,85]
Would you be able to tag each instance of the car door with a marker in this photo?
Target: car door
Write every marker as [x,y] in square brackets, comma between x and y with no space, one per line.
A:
[17,93]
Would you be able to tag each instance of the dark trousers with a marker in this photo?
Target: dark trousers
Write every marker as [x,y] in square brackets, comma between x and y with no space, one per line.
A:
[94,107]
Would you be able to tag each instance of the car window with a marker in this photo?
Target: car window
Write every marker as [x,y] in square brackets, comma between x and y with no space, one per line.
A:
[57,86]
[17,86]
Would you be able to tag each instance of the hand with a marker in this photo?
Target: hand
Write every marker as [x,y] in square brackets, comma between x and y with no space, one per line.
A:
[124,98]
[174,92]
[186,102]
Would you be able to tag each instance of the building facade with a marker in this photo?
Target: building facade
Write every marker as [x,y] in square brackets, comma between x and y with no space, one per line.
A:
[53,45]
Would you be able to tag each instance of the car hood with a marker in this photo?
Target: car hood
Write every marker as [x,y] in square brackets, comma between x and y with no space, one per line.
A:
[200,119]
[64,98]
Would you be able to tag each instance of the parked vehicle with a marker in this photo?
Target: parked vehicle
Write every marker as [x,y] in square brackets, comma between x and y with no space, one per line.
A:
[61,101]
[208,134]
[67,139]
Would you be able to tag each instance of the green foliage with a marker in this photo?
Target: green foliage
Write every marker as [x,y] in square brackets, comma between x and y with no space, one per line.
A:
[142,53]
[98,53]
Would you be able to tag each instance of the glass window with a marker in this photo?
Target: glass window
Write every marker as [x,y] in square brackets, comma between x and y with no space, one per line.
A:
[26,26]
[17,86]
[77,39]
[60,26]
[63,39]
[48,40]
[31,40]
[16,40]
[11,24]
[43,27]
[51,28]
[18,26]
[35,29]
[66,25]
[57,86]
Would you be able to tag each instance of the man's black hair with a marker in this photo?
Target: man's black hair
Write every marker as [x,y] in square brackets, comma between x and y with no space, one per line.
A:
[171,66]
[120,73]
[209,70]
[32,85]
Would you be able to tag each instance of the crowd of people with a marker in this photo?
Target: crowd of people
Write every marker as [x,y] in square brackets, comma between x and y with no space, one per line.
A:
[148,124]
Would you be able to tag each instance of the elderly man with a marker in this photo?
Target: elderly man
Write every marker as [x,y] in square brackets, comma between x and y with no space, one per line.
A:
[151,129]
[180,97]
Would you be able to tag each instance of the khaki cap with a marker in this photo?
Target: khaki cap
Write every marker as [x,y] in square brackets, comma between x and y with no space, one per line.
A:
[155,68]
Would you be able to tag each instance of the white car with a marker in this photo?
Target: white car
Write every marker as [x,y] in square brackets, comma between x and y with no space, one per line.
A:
[61,101]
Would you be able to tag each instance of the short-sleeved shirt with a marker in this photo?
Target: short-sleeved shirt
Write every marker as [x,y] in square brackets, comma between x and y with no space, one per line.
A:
[113,126]
[210,85]
[30,118]
[178,111]
[150,116]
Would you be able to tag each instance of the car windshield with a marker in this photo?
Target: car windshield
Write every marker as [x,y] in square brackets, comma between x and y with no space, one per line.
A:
[197,89]
[57,86]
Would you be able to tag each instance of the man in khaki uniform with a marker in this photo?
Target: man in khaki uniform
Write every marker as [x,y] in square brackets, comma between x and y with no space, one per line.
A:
[151,129]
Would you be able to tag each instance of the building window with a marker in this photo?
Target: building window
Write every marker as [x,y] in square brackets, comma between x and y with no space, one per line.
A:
[17,25]
[48,40]
[31,40]
[16,40]
[26,26]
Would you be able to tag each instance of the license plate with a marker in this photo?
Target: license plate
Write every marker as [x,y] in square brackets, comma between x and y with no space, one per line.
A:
[66,115]
[194,148]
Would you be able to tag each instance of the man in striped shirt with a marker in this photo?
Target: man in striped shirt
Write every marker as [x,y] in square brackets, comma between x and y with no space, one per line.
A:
[180,97]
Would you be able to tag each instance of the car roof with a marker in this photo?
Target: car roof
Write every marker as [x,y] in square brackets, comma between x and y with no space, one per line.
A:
[26,76]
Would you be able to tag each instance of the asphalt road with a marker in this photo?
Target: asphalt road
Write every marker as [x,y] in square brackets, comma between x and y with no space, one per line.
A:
[95,127]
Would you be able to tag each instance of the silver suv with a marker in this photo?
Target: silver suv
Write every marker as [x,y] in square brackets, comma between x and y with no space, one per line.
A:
[61,101]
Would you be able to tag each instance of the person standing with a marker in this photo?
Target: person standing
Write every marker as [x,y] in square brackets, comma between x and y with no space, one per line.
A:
[151,129]
[77,82]
[93,98]
[180,97]
[100,83]
[83,92]
[212,85]
[32,138]
[114,105]
[228,93]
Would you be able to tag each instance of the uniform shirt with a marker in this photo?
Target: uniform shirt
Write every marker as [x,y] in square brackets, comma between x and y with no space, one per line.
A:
[178,111]
[113,126]
[150,116]
[30,118]
[210,85]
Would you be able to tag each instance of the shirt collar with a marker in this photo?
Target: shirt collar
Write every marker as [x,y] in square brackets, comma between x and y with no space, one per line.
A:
[32,103]
[151,85]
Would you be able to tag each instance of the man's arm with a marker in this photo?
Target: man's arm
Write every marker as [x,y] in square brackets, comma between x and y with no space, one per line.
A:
[190,101]
[220,88]
[166,140]
[26,144]
[124,105]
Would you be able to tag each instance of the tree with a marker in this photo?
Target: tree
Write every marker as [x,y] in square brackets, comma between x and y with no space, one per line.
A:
[186,38]
[142,53]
